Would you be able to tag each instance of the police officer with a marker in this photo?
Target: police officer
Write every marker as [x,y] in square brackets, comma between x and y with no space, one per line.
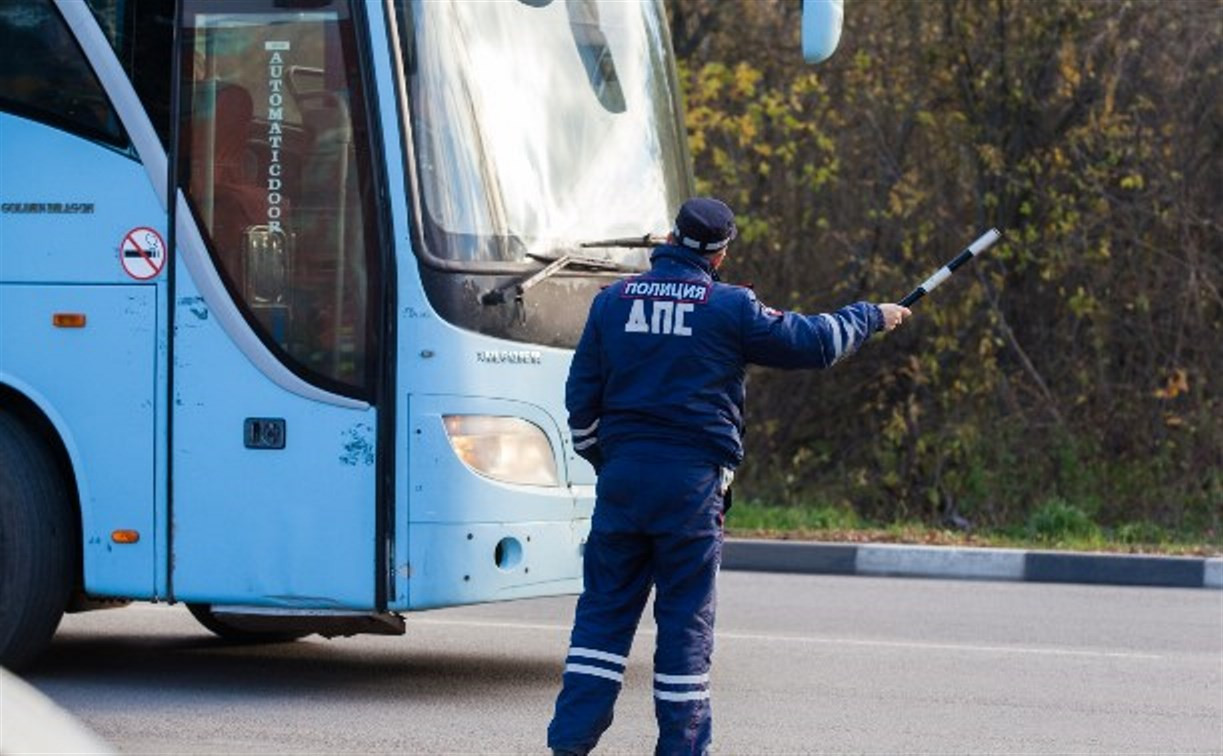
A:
[655,398]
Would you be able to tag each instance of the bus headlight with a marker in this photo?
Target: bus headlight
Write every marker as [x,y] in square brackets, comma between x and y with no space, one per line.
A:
[509,449]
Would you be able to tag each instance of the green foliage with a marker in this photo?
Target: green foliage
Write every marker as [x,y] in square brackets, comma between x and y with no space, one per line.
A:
[754,516]
[1055,520]
[1078,360]
[1138,533]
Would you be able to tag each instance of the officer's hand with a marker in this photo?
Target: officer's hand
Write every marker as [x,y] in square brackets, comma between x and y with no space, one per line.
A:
[893,315]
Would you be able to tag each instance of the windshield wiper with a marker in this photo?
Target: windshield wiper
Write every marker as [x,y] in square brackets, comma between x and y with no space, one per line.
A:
[554,266]
[630,242]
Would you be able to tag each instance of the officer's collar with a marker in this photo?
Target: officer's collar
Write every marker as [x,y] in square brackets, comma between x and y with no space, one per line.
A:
[683,256]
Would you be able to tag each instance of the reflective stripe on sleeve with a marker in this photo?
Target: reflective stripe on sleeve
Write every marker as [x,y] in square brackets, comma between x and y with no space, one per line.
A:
[837,348]
[580,445]
[585,431]
[856,336]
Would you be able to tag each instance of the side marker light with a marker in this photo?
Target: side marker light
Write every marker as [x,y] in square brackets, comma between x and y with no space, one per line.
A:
[68,320]
[125,536]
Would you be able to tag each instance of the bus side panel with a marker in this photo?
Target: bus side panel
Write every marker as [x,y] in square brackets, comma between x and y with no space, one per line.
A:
[98,381]
[66,206]
[290,527]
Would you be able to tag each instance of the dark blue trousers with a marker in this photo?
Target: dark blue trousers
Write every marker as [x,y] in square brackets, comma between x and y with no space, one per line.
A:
[657,522]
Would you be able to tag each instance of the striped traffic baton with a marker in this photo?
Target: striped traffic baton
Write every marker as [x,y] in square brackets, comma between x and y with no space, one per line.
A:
[983,243]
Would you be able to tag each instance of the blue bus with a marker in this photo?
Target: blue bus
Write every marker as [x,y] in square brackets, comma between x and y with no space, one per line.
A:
[288,293]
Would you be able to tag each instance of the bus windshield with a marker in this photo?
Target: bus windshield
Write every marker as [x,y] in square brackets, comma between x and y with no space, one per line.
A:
[538,124]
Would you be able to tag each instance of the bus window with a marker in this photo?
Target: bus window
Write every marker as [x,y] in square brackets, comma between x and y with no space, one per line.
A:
[141,33]
[275,151]
[596,54]
[44,74]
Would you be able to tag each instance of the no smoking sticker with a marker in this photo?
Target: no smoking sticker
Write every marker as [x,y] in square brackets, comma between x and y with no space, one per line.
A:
[142,253]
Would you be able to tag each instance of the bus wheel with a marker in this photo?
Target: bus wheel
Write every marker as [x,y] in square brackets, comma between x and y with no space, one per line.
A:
[205,616]
[37,549]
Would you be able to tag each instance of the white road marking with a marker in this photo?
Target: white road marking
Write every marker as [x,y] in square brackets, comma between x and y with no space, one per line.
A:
[768,638]
[416,619]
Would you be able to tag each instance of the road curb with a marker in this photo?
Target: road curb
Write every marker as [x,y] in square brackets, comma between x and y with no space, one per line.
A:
[816,558]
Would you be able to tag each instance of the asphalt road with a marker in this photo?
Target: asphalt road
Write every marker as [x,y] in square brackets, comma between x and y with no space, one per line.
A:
[804,664]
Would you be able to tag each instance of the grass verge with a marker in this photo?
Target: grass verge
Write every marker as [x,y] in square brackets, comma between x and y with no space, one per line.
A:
[1057,526]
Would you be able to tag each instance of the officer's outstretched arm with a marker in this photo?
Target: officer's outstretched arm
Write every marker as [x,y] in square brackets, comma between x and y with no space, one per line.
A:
[584,391]
[792,340]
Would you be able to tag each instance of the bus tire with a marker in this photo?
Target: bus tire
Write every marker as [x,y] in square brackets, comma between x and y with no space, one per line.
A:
[204,615]
[37,549]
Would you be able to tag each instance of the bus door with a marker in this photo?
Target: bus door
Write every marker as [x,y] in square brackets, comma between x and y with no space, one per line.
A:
[277,309]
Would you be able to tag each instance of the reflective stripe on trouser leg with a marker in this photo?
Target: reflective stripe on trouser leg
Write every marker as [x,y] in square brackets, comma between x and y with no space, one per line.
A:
[686,568]
[681,688]
[616,569]
[592,681]
[682,707]
[681,700]
[595,663]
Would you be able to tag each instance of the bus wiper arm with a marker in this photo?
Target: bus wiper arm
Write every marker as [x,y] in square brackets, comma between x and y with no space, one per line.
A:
[498,295]
[630,242]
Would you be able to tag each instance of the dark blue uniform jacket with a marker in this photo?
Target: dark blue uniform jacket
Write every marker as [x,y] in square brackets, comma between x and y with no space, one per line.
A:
[660,366]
